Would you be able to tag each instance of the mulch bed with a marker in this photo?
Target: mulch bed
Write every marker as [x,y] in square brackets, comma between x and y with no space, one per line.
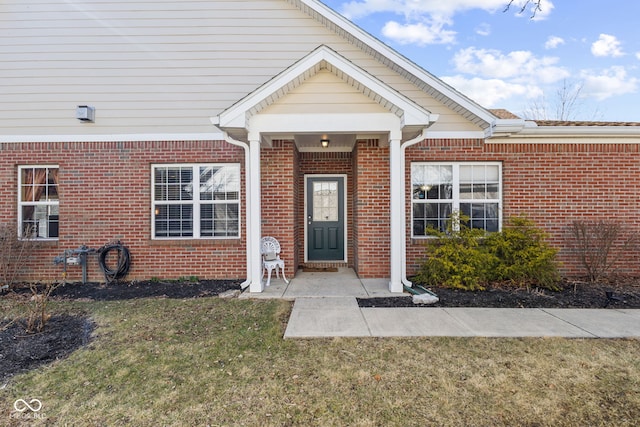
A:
[572,295]
[20,352]
[144,289]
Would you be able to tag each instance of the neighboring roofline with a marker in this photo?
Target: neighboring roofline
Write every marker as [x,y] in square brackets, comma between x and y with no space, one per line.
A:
[432,85]
[532,129]
[582,123]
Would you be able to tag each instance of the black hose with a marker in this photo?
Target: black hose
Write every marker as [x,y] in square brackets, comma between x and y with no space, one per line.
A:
[124,261]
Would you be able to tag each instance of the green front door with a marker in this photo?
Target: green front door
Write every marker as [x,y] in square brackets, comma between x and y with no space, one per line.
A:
[325,218]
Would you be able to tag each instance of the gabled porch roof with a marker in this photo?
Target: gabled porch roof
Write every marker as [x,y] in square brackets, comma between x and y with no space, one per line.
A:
[236,120]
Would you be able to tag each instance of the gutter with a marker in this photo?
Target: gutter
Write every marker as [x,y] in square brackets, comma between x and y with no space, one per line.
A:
[504,129]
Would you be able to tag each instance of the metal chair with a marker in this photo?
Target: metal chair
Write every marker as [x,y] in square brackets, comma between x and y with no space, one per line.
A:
[270,251]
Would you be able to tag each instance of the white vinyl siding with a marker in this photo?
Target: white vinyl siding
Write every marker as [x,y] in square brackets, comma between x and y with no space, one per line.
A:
[147,67]
[161,67]
[324,93]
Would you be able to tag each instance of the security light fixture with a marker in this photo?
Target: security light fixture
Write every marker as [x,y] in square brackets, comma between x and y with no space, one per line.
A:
[324,142]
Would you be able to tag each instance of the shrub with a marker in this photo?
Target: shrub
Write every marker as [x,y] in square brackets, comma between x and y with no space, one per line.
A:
[37,307]
[14,254]
[469,259]
[456,258]
[596,244]
[524,257]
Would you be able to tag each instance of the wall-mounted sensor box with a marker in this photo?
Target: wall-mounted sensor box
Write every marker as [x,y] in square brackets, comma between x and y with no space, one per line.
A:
[85,113]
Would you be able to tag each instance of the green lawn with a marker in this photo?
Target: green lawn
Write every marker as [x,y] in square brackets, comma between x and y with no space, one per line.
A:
[208,361]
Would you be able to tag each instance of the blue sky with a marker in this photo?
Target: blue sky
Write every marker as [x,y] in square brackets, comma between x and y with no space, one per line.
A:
[508,60]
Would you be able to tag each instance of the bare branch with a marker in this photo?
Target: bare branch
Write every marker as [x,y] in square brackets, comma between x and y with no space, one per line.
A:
[566,105]
[568,101]
[535,3]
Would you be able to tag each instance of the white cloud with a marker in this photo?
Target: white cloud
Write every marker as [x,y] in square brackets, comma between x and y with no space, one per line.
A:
[606,45]
[412,9]
[610,82]
[483,29]
[520,66]
[546,6]
[425,20]
[420,34]
[553,42]
[638,55]
[491,92]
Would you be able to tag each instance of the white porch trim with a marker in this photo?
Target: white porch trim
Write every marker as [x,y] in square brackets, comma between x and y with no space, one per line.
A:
[403,116]
[254,217]
[397,212]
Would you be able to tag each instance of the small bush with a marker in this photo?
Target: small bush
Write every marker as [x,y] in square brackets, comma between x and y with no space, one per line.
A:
[599,245]
[456,259]
[524,258]
[14,254]
[469,258]
[37,307]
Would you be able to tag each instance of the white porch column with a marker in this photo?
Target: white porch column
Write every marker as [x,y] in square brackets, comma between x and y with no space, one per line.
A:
[255,214]
[396,212]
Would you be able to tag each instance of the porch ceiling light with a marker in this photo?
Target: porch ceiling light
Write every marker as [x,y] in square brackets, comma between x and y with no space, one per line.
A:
[324,142]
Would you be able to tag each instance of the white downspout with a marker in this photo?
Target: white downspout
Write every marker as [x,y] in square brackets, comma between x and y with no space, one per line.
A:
[403,220]
[247,179]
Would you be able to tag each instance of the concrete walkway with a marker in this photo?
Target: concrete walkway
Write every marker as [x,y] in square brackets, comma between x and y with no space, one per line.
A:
[341,317]
[325,306]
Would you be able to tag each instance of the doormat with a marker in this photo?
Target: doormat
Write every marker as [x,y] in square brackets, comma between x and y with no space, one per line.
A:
[320,269]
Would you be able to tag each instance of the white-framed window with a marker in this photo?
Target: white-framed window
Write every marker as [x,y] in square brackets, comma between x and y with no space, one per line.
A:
[195,201]
[38,202]
[439,189]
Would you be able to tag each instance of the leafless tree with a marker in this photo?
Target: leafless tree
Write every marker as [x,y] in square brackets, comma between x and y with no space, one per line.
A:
[535,3]
[564,106]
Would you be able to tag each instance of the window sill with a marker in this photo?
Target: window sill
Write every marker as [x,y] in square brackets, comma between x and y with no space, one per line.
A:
[43,241]
[232,241]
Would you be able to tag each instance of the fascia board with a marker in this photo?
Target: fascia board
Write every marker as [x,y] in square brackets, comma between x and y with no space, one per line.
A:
[143,137]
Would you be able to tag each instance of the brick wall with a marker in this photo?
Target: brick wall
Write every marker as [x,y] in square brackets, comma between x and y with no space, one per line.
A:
[105,191]
[278,165]
[105,195]
[552,184]
[371,197]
